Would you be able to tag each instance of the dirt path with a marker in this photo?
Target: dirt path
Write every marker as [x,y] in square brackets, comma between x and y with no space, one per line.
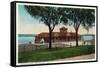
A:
[83,57]
[73,59]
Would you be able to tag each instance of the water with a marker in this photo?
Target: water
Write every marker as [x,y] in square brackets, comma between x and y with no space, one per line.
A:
[26,39]
[87,37]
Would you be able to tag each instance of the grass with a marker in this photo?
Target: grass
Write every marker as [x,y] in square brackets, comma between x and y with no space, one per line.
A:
[54,53]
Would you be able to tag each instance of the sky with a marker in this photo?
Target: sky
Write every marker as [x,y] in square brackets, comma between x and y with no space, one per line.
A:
[28,25]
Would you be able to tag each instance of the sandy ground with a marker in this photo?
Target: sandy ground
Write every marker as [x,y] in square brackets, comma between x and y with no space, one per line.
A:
[83,57]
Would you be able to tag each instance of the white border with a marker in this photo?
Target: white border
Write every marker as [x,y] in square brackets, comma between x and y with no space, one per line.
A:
[51,6]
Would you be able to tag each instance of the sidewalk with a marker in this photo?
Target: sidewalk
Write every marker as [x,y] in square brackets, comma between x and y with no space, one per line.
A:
[83,57]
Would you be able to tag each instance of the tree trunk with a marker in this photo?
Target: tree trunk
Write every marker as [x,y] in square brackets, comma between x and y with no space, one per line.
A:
[50,38]
[76,38]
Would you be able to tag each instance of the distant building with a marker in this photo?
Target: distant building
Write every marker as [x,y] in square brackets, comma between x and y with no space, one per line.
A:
[88,39]
[62,36]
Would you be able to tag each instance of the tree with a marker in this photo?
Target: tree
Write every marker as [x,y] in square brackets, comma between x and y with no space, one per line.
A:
[89,25]
[50,16]
[79,16]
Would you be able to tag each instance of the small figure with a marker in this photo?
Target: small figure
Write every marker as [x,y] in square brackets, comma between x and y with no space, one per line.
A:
[70,44]
[42,40]
[30,42]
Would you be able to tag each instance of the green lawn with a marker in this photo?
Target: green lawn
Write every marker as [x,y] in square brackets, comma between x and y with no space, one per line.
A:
[54,53]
